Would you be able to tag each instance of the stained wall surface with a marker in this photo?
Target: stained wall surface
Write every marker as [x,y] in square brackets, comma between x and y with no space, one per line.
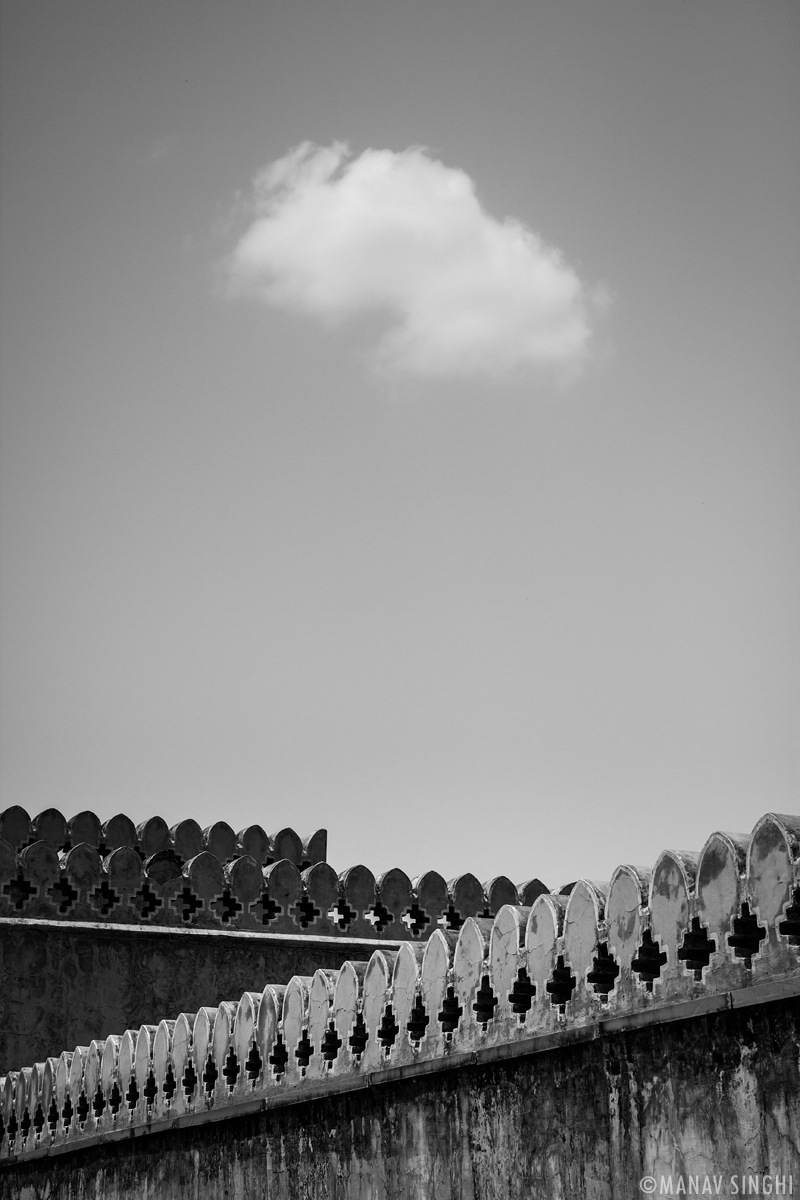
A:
[718,1094]
[63,985]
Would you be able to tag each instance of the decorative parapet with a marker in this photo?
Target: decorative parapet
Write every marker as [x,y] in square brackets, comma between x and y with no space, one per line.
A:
[184,840]
[185,876]
[699,932]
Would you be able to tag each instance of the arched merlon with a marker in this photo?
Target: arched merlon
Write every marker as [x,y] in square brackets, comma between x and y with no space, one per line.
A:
[184,876]
[186,837]
[773,866]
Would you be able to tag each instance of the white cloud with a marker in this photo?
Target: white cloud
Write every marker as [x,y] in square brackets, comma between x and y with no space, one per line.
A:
[401,233]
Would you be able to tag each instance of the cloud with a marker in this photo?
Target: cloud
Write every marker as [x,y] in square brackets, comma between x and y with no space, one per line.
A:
[402,234]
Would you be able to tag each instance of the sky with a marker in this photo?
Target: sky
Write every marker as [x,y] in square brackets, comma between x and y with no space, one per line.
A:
[400,424]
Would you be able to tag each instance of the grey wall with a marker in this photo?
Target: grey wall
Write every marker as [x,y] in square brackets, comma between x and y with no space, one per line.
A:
[719,1093]
[63,985]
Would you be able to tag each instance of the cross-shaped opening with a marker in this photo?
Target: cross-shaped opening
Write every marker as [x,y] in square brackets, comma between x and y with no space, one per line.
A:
[697,948]
[485,1002]
[388,1029]
[231,1069]
[147,901]
[266,909]
[331,1044]
[451,1013]
[63,894]
[279,1057]
[187,904]
[115,1099]
[105,898]
[19,891]
[304,1051]
[522,994]
[227,906]
[306,912]
[132,1094]
[210,1075]
[359,1036]
[415,920]
[342,914]
[649,960]
[379,916]
[451,919]
[253,1064]
[561,985]
[418,1021]
[189,1081]
[747,936]
[604,972]
[150,1090]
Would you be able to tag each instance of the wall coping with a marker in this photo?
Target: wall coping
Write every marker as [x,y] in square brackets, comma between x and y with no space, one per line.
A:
[247,935]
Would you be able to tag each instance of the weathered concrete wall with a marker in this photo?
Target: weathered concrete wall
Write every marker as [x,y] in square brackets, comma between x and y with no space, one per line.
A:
[714,1095]
[63,984]
[702,938]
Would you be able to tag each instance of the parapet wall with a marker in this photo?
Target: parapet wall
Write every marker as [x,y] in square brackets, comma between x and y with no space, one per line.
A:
[64,983]
[215,878]
[697,935]
[706,1106]
[185,839]
[76,955]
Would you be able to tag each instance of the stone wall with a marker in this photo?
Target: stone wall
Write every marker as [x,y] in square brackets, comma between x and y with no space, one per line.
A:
[704,948]
[716,1096]
[64,984]
[78,896]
